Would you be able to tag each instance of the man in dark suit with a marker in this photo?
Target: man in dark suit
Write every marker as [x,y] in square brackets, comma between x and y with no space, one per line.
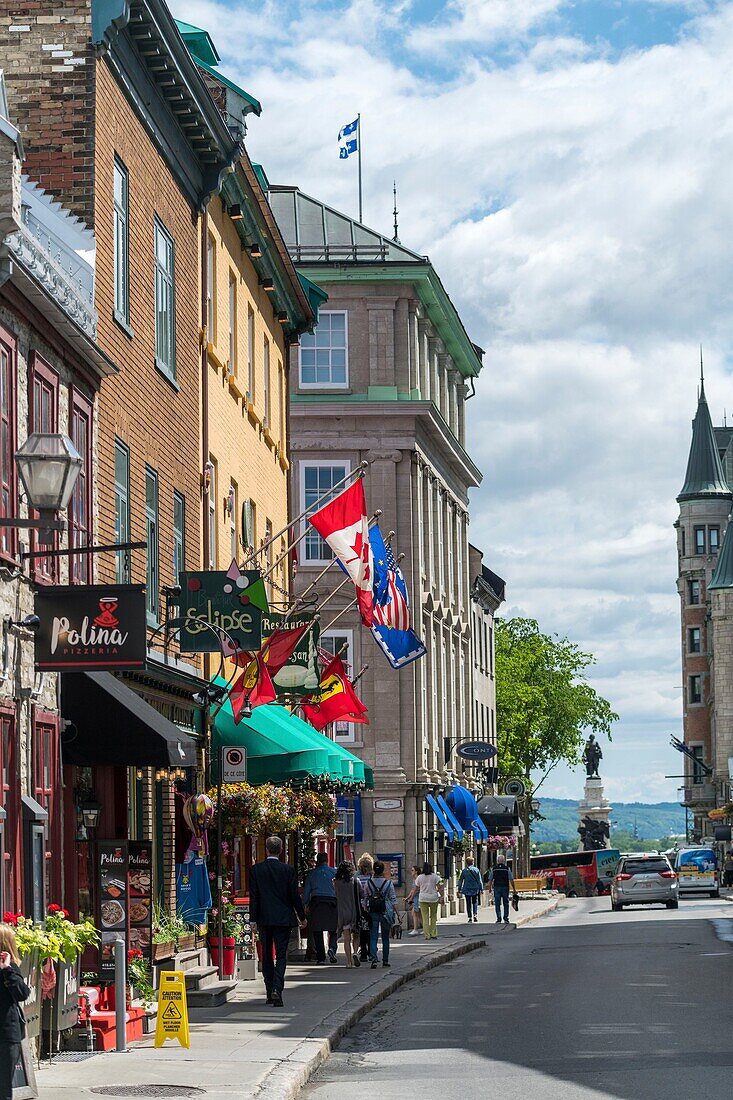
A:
[275,909]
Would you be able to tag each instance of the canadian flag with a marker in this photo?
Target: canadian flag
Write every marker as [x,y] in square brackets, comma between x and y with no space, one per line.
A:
[345,527]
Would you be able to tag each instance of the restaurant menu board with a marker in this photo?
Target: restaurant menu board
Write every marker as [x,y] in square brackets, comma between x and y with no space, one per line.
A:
[112,895]
[140,882]
[246,939]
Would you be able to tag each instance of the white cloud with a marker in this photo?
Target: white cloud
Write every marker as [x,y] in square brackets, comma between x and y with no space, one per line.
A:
[471,22]
[577,208]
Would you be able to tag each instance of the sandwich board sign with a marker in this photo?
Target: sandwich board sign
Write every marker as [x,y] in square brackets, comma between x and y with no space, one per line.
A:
[172,1009]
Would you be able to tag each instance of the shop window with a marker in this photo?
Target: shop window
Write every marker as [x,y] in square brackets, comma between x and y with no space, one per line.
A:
[44,417]
[46,791]
[10,796]
[8,440]
[81,508]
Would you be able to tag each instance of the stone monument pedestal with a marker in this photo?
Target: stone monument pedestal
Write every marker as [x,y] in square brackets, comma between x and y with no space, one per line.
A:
[595,806]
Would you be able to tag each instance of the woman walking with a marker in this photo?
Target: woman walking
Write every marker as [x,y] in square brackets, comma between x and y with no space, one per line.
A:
[381,899]
[13,990]
[348,910]
[470,885]
[413,902]
[430,892]
[364,869]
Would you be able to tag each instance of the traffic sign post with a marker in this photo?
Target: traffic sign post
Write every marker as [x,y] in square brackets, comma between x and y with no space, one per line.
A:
[234,764]
[172,1020]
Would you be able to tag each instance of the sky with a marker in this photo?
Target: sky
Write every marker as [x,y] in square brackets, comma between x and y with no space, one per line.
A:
[566,166]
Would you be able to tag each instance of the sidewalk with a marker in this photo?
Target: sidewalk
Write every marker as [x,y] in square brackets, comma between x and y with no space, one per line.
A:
[248,1049]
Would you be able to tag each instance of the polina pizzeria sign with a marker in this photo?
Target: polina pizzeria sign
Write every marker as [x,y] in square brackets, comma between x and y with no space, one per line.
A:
[90,626]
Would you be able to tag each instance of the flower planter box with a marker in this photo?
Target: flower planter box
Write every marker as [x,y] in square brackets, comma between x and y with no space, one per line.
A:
[30,968]
[163,950]
[61,1011]
[186,943]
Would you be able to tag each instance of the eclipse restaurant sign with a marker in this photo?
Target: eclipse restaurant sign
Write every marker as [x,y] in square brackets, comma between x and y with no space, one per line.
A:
[217,606]
[96,626]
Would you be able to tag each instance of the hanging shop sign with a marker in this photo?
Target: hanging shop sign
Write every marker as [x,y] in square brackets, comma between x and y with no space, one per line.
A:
[476,750]
[113,898]
[139,882]
[301,672]
[234,601]
[95,626]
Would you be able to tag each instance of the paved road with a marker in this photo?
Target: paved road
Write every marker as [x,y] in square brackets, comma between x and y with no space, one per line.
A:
[582,1004]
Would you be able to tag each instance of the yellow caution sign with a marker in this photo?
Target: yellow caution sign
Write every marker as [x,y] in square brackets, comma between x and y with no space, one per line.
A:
[172,1009]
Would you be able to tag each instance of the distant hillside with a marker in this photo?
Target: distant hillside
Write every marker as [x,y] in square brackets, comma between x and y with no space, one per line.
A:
[651,820]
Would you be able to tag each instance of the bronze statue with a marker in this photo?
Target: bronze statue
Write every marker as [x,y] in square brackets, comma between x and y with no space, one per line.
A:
[594,834]
[592,757]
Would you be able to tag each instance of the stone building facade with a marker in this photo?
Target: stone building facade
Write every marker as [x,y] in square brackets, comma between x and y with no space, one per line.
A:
[385,380]
[705,586]
[487,595]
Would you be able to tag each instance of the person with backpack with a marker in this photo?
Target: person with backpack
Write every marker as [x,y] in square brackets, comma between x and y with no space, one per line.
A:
[500,881]
[430,891]
[381,901]
[470,886]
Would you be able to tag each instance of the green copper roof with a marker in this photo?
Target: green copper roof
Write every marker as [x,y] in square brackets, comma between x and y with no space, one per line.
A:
[704,477]
[203,51]
[723,575]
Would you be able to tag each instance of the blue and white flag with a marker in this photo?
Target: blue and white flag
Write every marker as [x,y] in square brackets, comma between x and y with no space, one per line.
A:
[391,620]
[349,139]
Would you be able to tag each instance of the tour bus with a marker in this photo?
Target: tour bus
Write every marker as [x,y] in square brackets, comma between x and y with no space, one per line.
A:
[697,869]
[578,874]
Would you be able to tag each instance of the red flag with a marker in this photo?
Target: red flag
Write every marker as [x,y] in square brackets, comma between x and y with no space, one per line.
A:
[254,685]
[345,526]
[280,646]
[337,699]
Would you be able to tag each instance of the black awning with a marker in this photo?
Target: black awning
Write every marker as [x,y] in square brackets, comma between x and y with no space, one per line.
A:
[498,812]
[113,725]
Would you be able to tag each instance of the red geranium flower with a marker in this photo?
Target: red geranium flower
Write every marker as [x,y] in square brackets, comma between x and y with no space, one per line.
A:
[65,913]
[134,953]
[10,918]
[54,908]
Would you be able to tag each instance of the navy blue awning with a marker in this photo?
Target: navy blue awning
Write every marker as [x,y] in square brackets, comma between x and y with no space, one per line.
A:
[465,809]
[452,819]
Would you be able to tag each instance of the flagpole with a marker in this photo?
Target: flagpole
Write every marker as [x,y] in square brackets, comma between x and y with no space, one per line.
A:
[374,517]
[358,120]
[347,579]
[323,572]
[349,606]
[357,472]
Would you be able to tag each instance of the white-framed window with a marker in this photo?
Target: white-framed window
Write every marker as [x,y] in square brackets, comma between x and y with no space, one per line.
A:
[232,322]
[165,301]
[251,353]
[341,641]
[232,509]
[121,243]
[324,354]
[266,381]
[316,479]
[213,556]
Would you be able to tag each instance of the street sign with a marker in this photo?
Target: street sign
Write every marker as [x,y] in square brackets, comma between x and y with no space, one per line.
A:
[476,750]
[172,1009]
[234,764]
[515,788]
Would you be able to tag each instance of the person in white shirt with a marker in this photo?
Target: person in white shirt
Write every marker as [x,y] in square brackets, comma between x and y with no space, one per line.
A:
[429,887]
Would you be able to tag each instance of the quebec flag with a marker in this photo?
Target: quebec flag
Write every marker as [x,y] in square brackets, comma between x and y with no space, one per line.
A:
[391,615]
[349,139]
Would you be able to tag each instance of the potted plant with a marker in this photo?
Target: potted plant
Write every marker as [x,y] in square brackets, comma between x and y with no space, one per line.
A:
[163,939]
[231,930]
[138,976]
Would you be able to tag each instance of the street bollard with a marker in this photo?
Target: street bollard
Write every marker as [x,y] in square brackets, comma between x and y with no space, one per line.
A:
[120,996]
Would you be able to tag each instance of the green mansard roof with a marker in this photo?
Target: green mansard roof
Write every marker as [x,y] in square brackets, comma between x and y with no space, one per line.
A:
[704,477]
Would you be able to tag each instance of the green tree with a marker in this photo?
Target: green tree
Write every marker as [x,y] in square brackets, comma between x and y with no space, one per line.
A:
[544,703]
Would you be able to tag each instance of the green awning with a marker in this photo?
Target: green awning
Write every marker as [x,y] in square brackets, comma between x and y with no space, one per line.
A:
[282,748]
[317,296]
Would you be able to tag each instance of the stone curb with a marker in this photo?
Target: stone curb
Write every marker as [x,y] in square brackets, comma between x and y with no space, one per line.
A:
[285,1080]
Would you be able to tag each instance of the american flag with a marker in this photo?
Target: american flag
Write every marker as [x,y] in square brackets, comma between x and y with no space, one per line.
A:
[394,611]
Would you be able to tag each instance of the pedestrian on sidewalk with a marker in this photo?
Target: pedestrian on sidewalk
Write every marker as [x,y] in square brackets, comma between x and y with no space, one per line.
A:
[728,870]
[430,892]
[13,990]
[501,880]
[348,910]
[382,901]
[275,909]
[320,903]
[364,871]
[413,902]
[470,885]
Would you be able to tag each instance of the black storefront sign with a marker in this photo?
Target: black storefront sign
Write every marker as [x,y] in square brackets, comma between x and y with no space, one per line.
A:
[96,626]
[140,887]
[112,905]
[232,602]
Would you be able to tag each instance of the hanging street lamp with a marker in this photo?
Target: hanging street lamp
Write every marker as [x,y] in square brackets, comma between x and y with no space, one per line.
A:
[48,466]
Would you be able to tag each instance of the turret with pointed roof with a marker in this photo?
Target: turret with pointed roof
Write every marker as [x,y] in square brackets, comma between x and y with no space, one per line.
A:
[704,477]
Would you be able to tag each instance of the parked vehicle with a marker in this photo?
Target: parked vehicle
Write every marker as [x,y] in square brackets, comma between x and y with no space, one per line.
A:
[697,868]
[644,880]
[577,874]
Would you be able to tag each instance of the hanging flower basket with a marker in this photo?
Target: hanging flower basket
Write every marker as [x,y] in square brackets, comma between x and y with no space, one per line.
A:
[501,843]
[268,810]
